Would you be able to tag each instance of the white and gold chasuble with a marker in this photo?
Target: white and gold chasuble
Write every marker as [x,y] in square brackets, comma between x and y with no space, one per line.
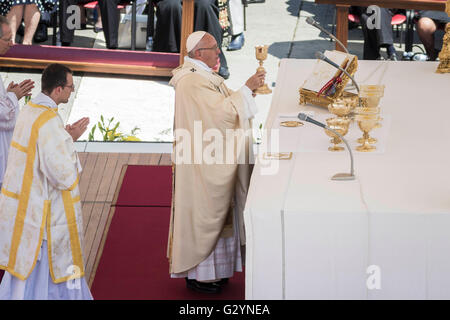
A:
[40,197]
[203,205]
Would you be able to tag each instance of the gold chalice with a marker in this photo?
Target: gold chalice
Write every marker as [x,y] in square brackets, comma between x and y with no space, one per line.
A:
[340,125]
[369,112]
[341,107]
[370,95]
[261,55]
[366,123]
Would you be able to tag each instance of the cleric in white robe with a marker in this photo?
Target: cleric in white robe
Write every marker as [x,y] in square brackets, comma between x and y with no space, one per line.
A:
[206,226]
[40,211]
[9,99]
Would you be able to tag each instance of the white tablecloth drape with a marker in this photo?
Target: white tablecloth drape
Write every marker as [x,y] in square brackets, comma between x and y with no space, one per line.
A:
[385,235]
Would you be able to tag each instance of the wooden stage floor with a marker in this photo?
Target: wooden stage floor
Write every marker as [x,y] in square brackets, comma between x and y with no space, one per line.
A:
[100,183]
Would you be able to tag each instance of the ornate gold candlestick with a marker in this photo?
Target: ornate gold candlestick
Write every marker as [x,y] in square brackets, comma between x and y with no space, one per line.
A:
[261,55]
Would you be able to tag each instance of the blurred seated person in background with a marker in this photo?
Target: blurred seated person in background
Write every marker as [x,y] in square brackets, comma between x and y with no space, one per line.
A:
[374,38]
[429,22]
[98,26]
[66,32]
[41,34]
[237,25]
[168,26]
[110,21]
[29,11]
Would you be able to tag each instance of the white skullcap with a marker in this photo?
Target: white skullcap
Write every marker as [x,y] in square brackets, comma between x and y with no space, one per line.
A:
[193,39]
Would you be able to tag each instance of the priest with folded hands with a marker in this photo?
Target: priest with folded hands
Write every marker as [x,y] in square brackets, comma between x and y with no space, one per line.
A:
[41,228]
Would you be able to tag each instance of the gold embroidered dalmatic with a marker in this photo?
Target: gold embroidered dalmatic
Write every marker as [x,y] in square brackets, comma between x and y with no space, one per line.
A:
[40,190]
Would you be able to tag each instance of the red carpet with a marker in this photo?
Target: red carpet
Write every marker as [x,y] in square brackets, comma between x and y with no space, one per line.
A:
[149,186]
[133,264]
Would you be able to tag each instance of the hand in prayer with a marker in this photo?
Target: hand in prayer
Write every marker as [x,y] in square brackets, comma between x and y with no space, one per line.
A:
[21,89]
[256,80]
[77,128]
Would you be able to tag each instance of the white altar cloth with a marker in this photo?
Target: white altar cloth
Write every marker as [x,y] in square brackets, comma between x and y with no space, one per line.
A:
[385,235]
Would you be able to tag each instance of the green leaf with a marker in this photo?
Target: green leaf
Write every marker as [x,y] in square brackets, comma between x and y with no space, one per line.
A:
[109,134]
[135,130]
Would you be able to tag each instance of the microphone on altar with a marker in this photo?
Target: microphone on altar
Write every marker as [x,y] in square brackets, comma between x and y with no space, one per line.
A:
[321,56]
[337,176]
[314,23]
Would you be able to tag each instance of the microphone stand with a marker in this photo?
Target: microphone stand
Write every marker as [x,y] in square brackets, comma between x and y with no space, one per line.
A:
[351,77]
[344,176]
[353,80]
[337,176]
[314,23]
[321,56]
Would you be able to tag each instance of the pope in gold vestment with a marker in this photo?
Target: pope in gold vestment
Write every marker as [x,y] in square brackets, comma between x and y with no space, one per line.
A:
[206,193]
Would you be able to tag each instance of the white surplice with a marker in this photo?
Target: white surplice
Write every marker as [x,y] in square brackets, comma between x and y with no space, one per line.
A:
[9,108]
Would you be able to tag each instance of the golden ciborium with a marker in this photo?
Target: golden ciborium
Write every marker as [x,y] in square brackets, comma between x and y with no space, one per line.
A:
[340,125]
[366,123]
[261,55]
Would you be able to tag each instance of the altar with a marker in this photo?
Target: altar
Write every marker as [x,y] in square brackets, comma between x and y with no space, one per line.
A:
[385,235]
